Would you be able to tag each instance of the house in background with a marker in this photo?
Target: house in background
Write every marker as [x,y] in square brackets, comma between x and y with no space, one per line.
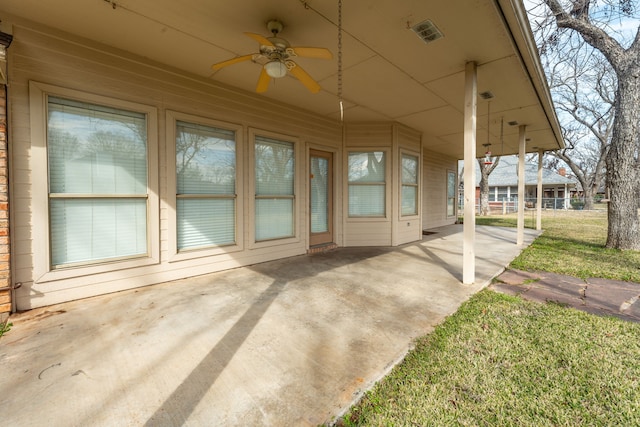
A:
[557,187]
[132,162]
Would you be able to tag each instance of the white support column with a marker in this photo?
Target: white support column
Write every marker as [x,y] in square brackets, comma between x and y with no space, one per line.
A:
[521,182]
[469,227]
[539,193]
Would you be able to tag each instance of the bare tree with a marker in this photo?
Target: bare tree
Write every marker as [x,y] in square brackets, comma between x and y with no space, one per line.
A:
[592,21]
[485,171]
[204,156]
[588,126]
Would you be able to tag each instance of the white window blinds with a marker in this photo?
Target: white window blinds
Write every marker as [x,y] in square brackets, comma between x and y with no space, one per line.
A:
[206,186]
[274,186]
[97,168]
[367,186]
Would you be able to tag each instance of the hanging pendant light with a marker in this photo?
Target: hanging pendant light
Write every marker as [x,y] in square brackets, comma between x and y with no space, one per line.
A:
[487,155]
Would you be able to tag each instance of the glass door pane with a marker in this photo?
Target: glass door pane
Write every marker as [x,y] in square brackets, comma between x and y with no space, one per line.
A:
[320,198]
[319,195]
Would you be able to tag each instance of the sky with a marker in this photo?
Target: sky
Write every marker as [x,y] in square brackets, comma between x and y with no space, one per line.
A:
[623,28]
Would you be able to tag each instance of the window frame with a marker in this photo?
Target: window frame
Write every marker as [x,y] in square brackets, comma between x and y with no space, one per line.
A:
[453,197]
[503,192]
[415,155]
[385,184]
[39,94]
[172,117]
[513,193]
[298,168]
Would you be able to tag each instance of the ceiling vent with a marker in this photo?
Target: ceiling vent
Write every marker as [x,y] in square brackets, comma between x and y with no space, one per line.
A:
[486,95]
[427,31]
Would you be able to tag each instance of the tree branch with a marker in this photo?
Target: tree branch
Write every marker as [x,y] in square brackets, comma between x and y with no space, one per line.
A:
[593,35]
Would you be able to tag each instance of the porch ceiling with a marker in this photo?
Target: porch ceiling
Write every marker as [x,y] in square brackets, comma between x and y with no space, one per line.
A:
[389,73]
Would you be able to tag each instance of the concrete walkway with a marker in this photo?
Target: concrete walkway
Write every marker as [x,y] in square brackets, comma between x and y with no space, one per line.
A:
[286,343]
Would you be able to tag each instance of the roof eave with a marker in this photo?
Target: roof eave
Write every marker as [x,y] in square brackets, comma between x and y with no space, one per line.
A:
[515,19]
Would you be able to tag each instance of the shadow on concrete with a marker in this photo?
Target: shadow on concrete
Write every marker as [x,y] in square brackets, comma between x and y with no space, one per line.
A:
[441,262]
[289,342]
[182,402]
[186,397]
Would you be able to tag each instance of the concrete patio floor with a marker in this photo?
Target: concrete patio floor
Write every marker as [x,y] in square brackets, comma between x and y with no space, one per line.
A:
[286,343]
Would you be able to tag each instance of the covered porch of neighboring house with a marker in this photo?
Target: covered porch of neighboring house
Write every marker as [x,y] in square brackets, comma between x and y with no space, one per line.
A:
[287,342]
[154,141]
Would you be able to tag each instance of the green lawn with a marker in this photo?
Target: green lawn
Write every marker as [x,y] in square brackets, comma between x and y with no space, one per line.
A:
[503,361]
[573,244]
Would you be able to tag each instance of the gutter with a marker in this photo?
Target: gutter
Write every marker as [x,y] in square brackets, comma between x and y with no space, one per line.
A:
[537,74]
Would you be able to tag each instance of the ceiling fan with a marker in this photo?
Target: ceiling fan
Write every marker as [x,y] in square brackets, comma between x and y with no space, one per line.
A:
[275,56]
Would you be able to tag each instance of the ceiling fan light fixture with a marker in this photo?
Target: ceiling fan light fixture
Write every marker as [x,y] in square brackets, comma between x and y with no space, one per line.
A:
[275,69]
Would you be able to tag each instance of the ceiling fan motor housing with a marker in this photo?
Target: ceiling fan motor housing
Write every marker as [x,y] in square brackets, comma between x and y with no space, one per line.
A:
[274,26]
[279,43]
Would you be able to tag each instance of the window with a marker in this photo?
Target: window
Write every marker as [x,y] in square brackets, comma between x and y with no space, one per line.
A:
[274,187]
[367,184]
[502,194]
[451,193]
[97,176]
[205,186]
[409,196]
[513,193]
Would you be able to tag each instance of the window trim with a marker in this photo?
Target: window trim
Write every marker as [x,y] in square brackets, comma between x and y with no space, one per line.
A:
[172,117]
[387,178]
[38,107]
[298,154]
[417,185]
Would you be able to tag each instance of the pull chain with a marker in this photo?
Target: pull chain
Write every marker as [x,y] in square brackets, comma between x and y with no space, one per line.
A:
[340,60]
[502,136]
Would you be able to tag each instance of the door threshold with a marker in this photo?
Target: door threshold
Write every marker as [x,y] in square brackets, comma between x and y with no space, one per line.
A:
[324,247]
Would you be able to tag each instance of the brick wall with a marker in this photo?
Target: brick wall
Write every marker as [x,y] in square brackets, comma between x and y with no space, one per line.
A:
[5,276]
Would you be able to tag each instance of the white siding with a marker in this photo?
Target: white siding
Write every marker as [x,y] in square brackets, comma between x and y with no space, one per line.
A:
[406,228]
[51,58]
[434,202]
[43,59]
[369,231]
[408,138]
[394,229]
